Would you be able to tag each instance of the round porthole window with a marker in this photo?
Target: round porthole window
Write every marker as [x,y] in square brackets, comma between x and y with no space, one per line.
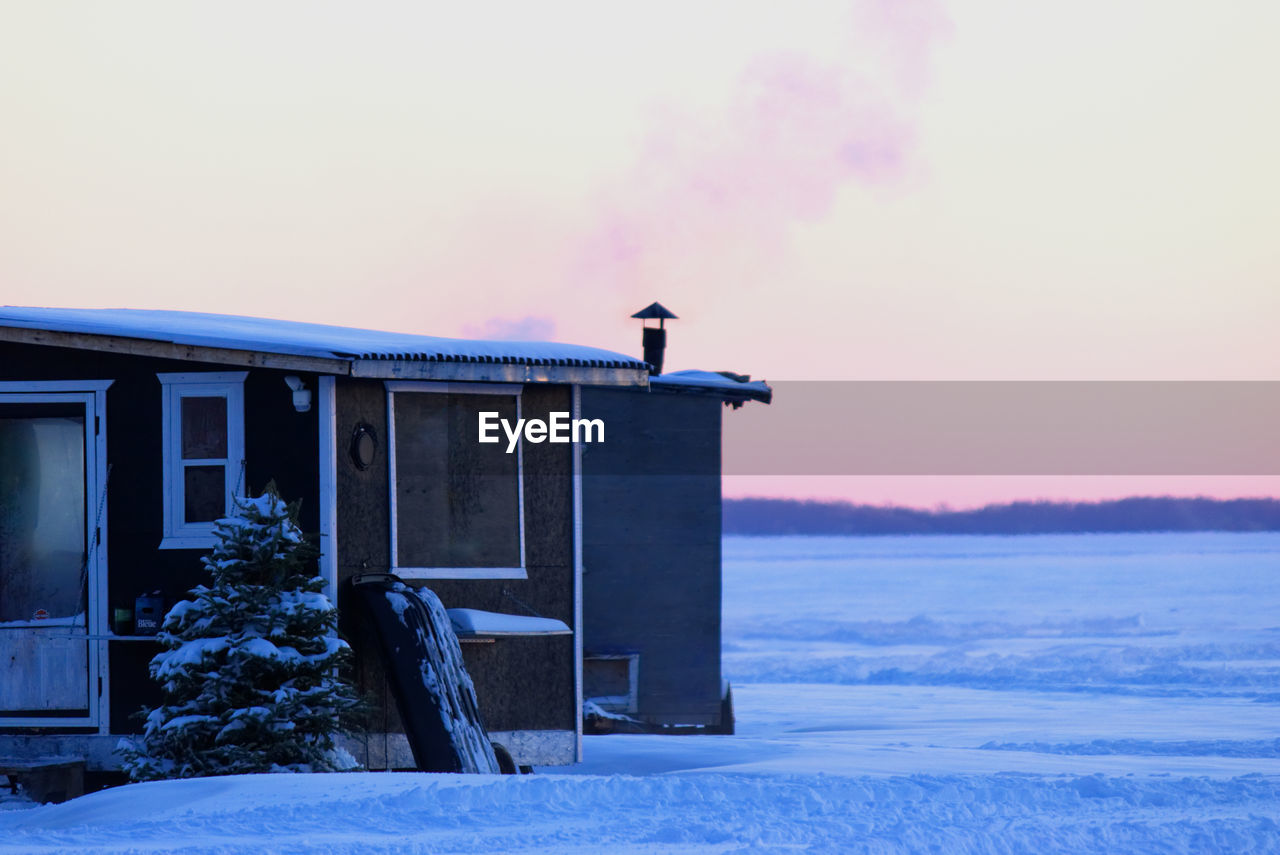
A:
[364,446]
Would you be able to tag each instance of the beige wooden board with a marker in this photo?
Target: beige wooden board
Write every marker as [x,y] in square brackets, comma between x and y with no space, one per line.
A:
[43,669]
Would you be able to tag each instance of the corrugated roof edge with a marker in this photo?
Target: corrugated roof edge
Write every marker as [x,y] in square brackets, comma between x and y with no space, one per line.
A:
[500,359]
[323,341]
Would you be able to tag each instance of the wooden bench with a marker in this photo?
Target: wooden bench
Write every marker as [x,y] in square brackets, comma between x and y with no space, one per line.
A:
[46,779]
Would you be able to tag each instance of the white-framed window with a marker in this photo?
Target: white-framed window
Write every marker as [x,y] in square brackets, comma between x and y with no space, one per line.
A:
[203,442]
[457,505]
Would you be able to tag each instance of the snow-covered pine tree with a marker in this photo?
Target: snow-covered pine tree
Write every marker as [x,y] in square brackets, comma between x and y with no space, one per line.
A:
[251,674]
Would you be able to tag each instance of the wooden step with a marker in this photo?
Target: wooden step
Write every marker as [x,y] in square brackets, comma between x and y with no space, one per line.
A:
[46,779]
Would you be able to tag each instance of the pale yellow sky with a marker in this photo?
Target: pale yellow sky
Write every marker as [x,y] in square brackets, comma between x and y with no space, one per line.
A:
[823,189]
[1087,190]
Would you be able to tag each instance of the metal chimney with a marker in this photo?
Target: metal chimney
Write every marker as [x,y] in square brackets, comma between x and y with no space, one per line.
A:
[654,339]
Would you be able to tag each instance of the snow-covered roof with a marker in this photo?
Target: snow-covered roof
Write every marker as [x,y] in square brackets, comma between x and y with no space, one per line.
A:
[724,384]
[302,339]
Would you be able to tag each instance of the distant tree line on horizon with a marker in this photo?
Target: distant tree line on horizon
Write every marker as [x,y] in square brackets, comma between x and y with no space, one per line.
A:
[1139,514]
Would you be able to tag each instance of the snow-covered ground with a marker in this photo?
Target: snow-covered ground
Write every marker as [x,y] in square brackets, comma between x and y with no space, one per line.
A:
[953,694]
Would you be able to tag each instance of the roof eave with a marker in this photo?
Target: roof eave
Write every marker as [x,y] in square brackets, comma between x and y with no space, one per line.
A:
[498,372]
[732,396]
[382,369]
[743,389]
[172,350]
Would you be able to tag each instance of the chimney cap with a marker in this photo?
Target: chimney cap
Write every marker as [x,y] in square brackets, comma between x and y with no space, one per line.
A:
[655,310]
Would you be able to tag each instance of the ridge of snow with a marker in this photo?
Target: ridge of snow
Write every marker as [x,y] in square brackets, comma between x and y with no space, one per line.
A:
[479,622]
[370,814]
[712,381]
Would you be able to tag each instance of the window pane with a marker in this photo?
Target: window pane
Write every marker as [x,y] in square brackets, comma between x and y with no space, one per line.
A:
[206,493]
[204,427]
[42,506]
[457,501]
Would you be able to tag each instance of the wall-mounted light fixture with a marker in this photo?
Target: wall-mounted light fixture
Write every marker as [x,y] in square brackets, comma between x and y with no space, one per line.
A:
[301,394]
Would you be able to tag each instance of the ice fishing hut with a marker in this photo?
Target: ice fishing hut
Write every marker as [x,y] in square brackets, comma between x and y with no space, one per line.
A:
[651,546]
[125,433]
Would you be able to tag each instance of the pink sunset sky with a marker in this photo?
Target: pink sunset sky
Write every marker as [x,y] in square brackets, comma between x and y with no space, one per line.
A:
[822,190]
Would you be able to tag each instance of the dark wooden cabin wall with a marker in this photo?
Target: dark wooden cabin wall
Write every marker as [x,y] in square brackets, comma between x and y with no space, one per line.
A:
[280,444]
[363,522]
[521,683]
[364,539]
[651,546]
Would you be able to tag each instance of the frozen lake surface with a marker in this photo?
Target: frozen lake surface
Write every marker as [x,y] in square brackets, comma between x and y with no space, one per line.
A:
[1099,693]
